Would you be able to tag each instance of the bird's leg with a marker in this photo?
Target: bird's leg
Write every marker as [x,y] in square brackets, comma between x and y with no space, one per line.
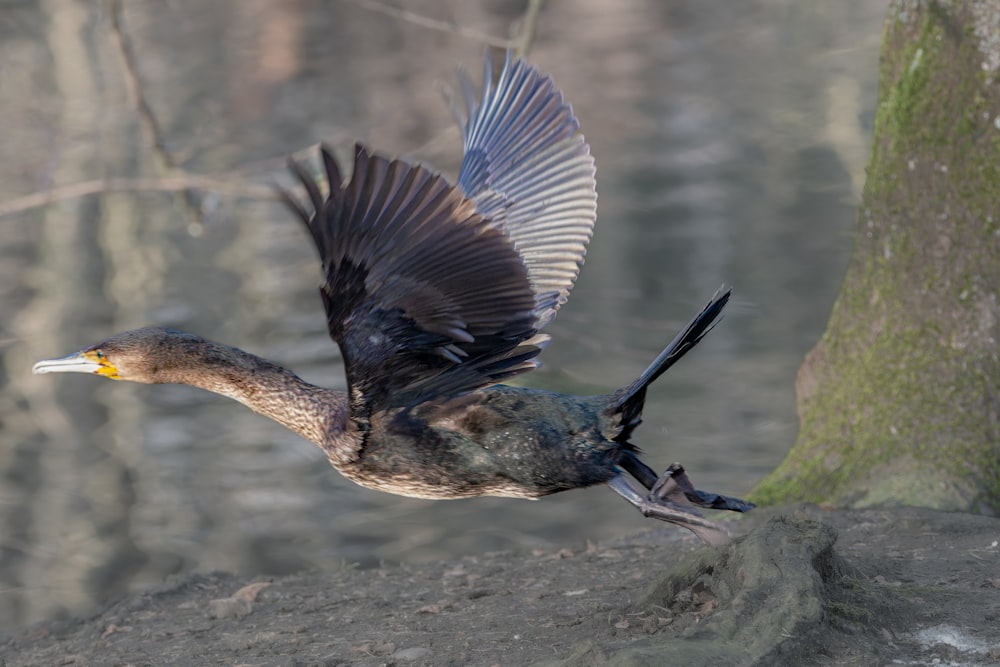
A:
[674,481]
[670,505]
[674,476]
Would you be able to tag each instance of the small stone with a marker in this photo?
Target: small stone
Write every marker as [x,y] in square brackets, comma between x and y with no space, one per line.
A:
[411,654]
[229,608]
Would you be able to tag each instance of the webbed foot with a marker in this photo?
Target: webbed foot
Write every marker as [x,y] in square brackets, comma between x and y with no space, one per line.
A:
[674,480]
[674,499]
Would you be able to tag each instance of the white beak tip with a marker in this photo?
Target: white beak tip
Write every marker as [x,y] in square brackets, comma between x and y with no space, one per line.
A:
[75,363]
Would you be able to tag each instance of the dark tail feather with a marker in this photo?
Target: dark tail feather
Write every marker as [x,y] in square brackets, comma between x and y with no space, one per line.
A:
[630,400]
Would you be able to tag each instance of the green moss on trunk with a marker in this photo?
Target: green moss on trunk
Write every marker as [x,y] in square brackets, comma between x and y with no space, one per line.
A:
[900,400]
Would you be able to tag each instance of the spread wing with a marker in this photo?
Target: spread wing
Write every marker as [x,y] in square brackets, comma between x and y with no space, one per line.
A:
[528,169]
[433,289]
[424,296]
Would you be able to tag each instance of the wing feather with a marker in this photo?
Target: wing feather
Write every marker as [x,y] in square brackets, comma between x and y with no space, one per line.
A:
[434,289]
[528,170]
[423,295]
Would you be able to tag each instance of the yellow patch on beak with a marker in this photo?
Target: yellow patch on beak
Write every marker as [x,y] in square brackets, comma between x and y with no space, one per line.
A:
[104,367]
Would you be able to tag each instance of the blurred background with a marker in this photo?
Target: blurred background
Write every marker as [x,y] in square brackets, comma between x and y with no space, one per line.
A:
[730,139]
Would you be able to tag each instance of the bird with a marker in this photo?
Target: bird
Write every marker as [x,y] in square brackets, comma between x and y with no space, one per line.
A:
[436,293]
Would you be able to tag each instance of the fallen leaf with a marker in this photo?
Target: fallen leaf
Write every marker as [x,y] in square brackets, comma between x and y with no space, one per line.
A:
[112,629]
[250,591]
[430,609]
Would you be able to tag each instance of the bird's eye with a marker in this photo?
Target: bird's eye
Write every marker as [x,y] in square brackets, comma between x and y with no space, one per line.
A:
[100,355]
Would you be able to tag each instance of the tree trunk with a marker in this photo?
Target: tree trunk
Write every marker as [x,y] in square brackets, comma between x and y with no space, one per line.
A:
[900,401]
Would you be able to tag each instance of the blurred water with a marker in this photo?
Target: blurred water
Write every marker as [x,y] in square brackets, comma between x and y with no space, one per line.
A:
[730,141]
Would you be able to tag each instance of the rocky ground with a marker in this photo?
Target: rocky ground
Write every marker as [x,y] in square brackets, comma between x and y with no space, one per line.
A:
[799,586]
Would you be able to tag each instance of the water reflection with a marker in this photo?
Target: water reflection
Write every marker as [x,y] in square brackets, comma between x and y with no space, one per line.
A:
[730,143]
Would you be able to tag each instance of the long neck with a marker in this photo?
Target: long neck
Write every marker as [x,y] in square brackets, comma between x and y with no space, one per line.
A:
[317,414]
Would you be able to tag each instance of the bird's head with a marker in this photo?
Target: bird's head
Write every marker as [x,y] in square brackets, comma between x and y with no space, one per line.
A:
[142,355]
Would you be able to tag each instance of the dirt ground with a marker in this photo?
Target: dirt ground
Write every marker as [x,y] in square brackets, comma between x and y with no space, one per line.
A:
[801,585]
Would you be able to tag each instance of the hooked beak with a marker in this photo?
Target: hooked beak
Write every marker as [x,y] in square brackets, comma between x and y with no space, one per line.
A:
[81,362]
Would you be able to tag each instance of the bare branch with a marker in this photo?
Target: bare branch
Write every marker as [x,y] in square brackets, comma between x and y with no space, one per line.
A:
[126,54]
[433,24]
[529,25]
[147,119]
[178,183]
[182,182]
[526,29]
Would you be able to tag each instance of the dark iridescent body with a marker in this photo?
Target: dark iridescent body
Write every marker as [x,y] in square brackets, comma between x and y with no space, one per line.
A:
[435,293]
